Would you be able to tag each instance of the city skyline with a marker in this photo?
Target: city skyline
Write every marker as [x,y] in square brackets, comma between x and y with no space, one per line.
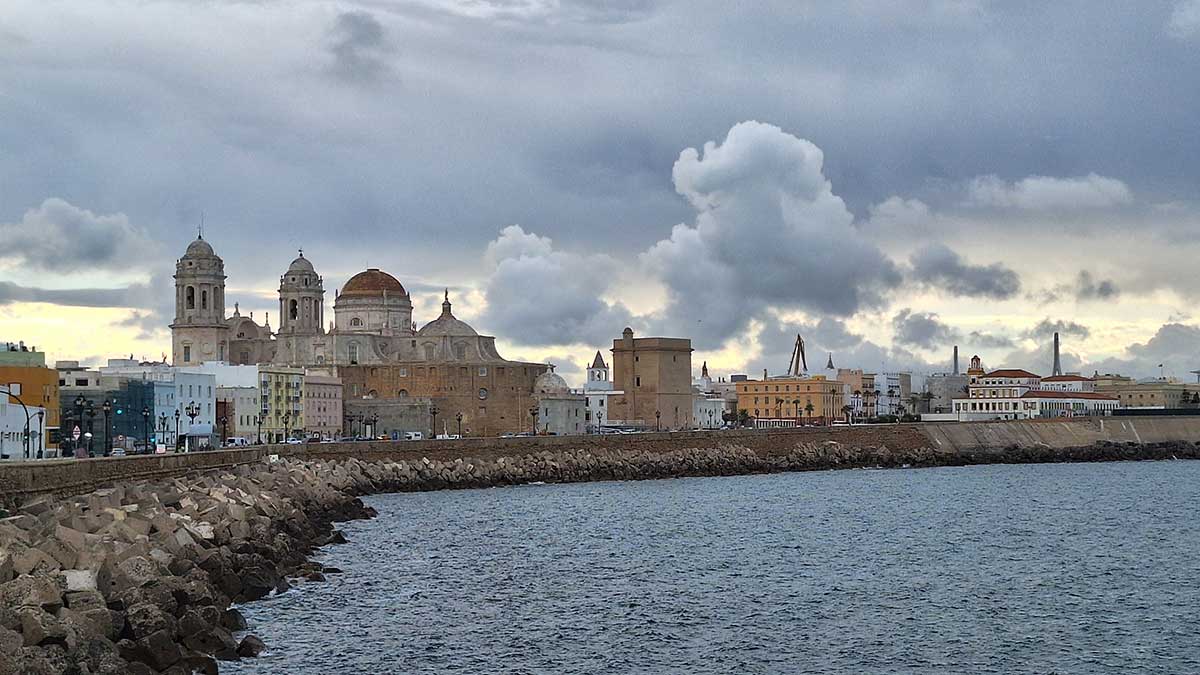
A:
[885,207]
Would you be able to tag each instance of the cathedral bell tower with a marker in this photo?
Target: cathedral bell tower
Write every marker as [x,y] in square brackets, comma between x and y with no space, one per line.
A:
[199,332]
[301,311]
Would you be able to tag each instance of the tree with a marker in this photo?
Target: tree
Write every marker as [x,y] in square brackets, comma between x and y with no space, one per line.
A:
[743,417]
[846,410]
[808,409]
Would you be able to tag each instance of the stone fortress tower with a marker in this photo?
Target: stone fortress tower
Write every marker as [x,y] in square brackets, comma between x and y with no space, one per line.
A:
[199,332]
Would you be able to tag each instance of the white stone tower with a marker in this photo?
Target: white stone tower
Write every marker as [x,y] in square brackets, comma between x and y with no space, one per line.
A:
[199,332]
[598,376]
[301,312]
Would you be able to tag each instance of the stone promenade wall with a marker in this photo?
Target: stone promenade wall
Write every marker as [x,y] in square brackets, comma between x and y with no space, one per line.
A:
[941,443]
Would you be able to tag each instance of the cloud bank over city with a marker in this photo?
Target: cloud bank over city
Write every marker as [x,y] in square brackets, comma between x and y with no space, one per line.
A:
[889,179]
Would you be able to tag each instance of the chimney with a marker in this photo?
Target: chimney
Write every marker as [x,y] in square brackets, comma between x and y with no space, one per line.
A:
[1057,362]
[955,359]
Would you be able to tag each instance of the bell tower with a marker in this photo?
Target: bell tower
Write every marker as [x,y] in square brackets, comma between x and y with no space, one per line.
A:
[199,332]
[301,312]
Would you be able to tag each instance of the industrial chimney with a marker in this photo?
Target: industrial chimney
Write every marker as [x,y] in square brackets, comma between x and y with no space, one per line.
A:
[955,359]
[1057,362]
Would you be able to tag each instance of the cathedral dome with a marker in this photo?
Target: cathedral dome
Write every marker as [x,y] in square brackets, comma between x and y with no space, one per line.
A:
[447,324]
[200,249]
[372,282]
[551,383]
[301,264]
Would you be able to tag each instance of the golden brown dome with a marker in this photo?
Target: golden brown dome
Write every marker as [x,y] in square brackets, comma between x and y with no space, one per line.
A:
[373,282]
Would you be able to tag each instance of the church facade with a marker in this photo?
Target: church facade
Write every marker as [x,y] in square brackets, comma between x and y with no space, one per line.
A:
[372,344]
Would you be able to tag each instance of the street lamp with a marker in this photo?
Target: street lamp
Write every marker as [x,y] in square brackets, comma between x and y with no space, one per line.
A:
[658,420]
[258,420]
[79,401]
[91,413]
[162,428]
[146,426]
[107,408]
[41,434]
[533,412]
[175,440]
[287,418]
[224,433]
[374,424]
[600,422]
[433,412]
[192,411]
[458,418]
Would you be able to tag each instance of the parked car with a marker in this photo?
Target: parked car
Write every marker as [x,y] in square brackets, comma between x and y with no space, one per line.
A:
[414,436]
[236,442]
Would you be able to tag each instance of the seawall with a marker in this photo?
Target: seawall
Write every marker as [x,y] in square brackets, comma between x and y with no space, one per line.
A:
[939,443]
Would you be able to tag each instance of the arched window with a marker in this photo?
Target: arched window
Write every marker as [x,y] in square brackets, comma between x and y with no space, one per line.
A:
[403,393]
[460,351]
[293,309]
[430,352]
[356,322]
[203,299]
[353,353]
[190,295]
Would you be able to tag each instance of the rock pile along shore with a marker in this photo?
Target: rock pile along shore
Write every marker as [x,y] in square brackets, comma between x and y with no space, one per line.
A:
[140,577]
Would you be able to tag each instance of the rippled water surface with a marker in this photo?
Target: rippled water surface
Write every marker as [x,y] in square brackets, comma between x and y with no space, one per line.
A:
[1079,568]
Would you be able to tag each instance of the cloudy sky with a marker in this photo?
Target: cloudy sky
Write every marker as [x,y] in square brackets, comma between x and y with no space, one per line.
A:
[889,178]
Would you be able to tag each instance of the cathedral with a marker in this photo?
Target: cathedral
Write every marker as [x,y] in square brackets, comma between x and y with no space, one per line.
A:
[372,344]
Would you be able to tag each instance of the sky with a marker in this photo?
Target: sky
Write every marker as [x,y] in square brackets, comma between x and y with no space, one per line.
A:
[886,178]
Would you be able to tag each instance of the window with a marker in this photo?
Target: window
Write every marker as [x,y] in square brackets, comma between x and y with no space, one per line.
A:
[352,353]
[187,354]
[356,322]
[637,381]
[203,299]
[482,371]
[460,351]
[403,393]
[190,297]
[293,310]
[403,372]
[483,394]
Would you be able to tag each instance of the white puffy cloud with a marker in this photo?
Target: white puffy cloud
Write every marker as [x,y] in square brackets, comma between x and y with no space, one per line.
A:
[56,231]
[1048,193]
[769,232]
[536,295]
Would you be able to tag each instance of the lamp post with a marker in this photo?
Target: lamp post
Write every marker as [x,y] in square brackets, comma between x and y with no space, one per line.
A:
[41,434]
[79,401]
[258,420]
[224,433]
[175,440]
[287,418]
[433,412]
[192,411]
[533,412]
[163,420]
[374,424]
[458,418]
[91,413]
[64,426]
[658,420]
[107,408]
[600,422]
[146,426]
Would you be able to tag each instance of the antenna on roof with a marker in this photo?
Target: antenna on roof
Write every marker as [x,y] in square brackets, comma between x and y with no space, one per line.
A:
[200,228]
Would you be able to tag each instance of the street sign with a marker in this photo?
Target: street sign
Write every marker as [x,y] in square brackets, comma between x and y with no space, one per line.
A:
[75,434]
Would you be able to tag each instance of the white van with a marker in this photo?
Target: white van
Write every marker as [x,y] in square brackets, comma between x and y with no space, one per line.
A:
[236,442]
[414,436]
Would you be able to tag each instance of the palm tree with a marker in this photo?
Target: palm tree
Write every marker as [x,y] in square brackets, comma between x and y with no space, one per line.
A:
[743,417]
[808,409]
[846,410]
[796,407]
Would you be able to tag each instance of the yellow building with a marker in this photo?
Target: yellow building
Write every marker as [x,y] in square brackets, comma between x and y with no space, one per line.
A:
[25,373]
[799,400]
[281,395]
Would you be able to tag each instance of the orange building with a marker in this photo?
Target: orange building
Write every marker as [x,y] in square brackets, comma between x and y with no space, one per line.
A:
[26,372]
[814,400]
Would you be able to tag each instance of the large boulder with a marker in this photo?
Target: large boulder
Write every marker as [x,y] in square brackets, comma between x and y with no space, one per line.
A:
[29,591]
[251,647]
[144,619]
[41,629]
[159,650]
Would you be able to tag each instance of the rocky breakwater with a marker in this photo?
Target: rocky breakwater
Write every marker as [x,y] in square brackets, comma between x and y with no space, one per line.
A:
[140,578]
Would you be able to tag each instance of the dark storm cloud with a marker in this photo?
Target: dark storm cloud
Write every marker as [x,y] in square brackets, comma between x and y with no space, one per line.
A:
[1088,288]
[132,296]
[1046,328]
[358,47]
[941,268]
[922,329]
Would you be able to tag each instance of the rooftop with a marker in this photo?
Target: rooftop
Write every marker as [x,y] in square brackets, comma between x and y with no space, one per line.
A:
[1066,378]
[1042,393]
[1011,372]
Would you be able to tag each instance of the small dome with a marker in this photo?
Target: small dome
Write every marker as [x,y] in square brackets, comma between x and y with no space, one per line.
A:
[447,324]
[372,282]
[550,382]
[301,264]
[199,249]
